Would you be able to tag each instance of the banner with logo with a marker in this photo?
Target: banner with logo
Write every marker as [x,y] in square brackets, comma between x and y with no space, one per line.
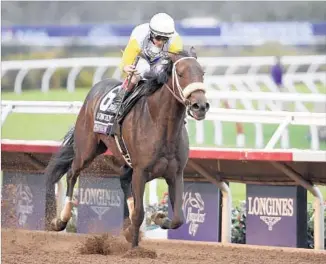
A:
[257,33]
[201,210]
[23,200]
[276,215]
[100,204]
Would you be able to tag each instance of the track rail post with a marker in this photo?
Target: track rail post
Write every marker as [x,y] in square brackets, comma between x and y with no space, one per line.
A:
[319,235]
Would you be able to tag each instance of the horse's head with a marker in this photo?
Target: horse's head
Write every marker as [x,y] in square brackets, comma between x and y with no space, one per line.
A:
[188,83]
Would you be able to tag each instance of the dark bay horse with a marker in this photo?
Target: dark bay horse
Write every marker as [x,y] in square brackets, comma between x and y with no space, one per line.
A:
[153,131]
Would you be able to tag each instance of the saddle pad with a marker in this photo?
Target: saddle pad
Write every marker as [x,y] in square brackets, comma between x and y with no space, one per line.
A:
[104,119]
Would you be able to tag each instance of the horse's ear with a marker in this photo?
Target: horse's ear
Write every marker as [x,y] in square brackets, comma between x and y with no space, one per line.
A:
[193,52]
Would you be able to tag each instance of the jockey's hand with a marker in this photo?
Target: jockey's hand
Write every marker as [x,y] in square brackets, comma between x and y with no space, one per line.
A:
[129,69]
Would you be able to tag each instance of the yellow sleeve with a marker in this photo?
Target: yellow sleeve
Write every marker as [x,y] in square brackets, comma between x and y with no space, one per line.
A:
[176,44]
[129,55]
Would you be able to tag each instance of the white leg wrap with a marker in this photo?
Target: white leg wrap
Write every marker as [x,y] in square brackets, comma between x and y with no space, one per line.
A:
[66,211]
[131,206]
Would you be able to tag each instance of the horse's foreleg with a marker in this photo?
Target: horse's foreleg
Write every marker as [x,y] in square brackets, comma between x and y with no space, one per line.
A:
[137,215]
[175,195]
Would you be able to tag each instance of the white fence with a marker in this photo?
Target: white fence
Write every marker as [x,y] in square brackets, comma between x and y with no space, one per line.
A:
[227,66]
[216,115]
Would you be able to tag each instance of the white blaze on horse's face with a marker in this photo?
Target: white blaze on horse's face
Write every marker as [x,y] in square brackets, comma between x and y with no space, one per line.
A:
[193,93]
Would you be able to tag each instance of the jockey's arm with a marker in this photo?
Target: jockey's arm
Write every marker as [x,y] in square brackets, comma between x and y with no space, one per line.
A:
[129,54]
[176,44]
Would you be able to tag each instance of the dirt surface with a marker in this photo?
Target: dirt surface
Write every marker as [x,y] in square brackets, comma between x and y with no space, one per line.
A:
[37,247]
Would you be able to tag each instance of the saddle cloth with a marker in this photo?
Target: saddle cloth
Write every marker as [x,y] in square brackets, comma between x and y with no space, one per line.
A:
[104,117]
[104,120]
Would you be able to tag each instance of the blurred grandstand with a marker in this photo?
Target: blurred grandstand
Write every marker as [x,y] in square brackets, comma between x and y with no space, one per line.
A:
[223,28]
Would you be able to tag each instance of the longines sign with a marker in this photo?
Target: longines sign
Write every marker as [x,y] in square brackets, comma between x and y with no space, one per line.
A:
[100,206]
[270,210]
[275,215]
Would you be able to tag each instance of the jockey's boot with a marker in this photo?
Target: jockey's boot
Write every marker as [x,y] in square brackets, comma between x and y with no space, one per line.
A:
[117,103]
[124,93]
[113,110]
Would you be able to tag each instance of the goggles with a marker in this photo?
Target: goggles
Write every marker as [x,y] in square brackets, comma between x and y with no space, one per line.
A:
[160,38]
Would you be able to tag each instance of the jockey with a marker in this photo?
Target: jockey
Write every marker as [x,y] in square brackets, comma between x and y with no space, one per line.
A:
[148,40]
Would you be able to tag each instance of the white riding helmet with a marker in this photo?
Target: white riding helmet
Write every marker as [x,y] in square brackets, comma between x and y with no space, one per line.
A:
[162,24]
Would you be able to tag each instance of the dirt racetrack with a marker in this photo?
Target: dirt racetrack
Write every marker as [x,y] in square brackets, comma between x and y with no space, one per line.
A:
[38,247]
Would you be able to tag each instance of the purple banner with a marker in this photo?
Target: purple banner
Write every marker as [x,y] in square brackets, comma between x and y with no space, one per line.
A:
[276,215]
[23,200]
[294,33]
[201,209]
[269,29]
[100,205]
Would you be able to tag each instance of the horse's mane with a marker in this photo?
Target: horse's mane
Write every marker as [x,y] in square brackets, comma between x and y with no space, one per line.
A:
[156,80]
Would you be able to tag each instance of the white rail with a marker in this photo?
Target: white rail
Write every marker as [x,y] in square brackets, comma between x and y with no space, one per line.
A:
[249,66]
[282,118]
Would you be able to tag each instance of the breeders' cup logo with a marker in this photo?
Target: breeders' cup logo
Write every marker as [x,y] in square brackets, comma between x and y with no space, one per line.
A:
[100,200]
[24,203]
[270,210]
[193,207]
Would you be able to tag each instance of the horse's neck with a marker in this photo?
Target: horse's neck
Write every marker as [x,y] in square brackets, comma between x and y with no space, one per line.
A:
[167,114]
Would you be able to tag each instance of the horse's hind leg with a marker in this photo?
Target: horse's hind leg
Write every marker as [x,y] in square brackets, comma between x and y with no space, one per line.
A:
[125,182]
[85,154]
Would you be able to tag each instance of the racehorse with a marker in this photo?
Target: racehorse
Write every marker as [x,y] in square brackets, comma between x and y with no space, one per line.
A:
[153,132]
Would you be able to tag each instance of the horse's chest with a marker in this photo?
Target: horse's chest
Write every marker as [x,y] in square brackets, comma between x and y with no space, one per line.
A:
[163,167]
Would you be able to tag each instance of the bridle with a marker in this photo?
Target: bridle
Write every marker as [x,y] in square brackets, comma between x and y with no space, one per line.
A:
[181,95]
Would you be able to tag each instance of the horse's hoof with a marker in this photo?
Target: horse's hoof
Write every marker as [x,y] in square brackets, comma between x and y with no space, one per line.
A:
[126,223]
[58,225]
[127,234]
[158,218]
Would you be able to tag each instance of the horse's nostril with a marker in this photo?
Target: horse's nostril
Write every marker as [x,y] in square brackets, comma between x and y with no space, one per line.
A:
[195,107]
[207,106]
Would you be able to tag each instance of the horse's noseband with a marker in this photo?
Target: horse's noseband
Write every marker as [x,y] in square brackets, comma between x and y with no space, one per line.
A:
[182,94]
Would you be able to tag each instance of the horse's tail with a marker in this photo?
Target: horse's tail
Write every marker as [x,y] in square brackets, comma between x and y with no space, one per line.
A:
[61,162]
